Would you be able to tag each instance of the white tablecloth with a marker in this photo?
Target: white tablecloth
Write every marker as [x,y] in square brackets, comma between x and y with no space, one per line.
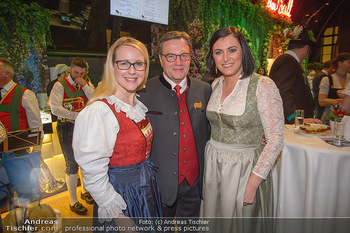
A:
[311,179]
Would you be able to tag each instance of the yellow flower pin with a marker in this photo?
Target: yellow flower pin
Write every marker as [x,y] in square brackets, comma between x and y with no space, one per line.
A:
[197,105]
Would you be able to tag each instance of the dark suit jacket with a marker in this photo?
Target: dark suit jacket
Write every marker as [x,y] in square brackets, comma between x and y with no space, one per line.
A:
[163,112]
[290,80]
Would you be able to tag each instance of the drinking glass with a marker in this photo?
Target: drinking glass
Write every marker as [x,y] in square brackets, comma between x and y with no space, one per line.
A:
[339,133]
[299,118]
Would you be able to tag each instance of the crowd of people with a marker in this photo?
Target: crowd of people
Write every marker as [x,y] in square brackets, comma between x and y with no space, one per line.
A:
[174,146]
[332,85]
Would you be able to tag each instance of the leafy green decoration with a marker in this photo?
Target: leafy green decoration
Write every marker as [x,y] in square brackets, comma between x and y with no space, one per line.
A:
[23,26]
[254,20]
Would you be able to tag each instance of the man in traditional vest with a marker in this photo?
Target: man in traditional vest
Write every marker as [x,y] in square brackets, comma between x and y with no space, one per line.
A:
[67,98]
[176,108]
[19,107]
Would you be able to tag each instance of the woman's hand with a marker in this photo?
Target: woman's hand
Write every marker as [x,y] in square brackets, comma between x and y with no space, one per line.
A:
[340,93]
[125,222]
[250,191]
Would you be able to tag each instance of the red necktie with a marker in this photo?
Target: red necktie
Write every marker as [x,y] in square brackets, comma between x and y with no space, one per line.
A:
[177,89]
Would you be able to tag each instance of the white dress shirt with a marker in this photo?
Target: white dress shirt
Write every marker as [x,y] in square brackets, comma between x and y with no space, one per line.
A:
[182,84]
[290,52]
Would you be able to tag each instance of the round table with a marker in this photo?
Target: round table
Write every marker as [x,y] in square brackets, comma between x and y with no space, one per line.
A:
[311,179]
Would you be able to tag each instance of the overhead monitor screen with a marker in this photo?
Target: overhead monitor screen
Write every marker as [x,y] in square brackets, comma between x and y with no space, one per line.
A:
[156,11]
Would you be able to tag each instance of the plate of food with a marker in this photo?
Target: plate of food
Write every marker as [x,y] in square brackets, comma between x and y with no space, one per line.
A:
[311,130]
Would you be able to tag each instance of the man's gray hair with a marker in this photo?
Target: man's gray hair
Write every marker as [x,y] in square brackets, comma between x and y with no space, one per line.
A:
[6,65]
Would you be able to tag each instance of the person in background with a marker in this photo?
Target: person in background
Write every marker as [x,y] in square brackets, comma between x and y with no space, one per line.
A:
[19,107]
[261,71]
[339,80]
[291,79]
[176,105]
[345,95]
[325,72]
[61,71]
[72,87]
[242,108]
[112,139]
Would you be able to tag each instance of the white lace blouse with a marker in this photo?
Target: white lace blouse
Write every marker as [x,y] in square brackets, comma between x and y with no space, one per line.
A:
[270,109]
[95,134]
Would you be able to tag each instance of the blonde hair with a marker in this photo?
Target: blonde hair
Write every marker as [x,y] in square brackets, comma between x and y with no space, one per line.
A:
[108,84]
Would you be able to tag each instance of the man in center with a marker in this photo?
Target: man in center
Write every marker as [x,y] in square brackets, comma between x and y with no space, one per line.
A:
[176,108]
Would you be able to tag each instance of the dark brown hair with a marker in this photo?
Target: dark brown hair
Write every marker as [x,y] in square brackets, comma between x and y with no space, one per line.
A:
[79,61]
[173,35]
[341,57]
[248,62]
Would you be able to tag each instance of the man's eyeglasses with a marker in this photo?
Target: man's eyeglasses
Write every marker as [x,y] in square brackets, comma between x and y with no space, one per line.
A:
[125,65]
[170,57]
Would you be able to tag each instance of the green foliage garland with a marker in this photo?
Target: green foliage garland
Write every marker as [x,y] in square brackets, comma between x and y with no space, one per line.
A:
[182,13]
[258,22]
[195,31]
[22,26]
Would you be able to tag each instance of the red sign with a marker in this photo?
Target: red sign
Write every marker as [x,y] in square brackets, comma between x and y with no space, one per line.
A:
[279,7]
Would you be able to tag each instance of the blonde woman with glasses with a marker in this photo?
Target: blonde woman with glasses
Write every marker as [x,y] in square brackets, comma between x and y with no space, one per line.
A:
[112,140]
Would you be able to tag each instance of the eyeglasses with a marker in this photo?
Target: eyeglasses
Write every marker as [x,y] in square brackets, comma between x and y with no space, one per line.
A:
[125,65]
[170,57]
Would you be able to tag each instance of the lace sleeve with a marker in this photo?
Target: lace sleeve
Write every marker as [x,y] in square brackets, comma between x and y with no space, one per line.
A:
[112,209]
[271,113]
